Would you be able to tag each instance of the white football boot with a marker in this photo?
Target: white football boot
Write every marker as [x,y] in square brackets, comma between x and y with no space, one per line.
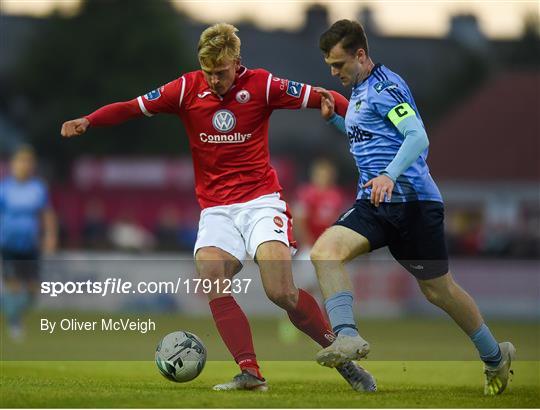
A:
[243,381]
[343,349]
[497,377]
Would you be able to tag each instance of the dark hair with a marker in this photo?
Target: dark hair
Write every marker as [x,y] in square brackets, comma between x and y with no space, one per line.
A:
[350,33]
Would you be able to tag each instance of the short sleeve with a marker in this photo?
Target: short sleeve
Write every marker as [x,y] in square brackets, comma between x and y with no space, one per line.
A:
[286,94]
[165,99]
[385,96]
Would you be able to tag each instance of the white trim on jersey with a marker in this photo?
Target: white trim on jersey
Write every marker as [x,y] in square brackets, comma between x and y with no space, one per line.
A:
[306,96]
[268,82]
[243,72]
[182,91]
[143,108]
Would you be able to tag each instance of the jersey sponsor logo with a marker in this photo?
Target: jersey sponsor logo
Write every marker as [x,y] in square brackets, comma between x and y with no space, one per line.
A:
[236,138]
[294,89]
[243,96]
[384,85]
[153,95]
[282,82]
[223,120]
[204,94]
[278,221]
[357,134]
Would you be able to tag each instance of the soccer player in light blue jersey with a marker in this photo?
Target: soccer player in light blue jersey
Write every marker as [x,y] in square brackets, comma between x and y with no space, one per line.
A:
[398,205]
[27,229]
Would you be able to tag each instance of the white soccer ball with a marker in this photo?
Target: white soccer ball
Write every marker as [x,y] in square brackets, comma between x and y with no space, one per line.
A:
[180,356]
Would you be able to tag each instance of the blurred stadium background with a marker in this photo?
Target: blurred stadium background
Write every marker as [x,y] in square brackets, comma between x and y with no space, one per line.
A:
[124,196]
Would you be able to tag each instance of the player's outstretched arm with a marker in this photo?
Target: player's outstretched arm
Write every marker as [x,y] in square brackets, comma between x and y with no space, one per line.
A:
[328,101]
[108,115]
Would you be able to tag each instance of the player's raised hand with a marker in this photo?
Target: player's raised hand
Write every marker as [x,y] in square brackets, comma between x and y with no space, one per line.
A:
[74,127]
[327,102]
[381,187]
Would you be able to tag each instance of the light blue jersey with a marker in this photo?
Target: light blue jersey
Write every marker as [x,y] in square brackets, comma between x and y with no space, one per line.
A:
[21,205]
[376,106]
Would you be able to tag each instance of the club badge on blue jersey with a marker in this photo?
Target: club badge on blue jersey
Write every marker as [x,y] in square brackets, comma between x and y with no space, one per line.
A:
[153,95]
[383,85]
[294,89]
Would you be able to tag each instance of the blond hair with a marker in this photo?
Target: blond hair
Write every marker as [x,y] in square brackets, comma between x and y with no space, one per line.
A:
[218,43]
[24,149]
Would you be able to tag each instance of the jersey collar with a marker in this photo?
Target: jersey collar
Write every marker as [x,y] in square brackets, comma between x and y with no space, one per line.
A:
[239,73]
[375,67]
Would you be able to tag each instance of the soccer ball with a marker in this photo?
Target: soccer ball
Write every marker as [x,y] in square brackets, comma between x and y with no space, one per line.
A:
[180,356]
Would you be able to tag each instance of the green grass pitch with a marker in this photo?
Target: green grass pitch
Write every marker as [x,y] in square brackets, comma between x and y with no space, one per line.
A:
[292,384]
[417,362]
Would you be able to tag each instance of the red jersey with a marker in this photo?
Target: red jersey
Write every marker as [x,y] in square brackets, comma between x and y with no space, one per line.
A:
[320,207]
[228,135]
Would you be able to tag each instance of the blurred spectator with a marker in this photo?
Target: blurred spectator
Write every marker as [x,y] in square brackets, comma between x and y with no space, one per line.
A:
[126,234]
[28,229]
[470,234]
[167,229]
[464,231]
[95,225]
[498,241]
[528,237]
[188,231]
[175,230]
[319,203]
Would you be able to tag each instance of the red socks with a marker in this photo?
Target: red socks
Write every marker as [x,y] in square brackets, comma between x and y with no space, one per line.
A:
[234,329]
[308,318]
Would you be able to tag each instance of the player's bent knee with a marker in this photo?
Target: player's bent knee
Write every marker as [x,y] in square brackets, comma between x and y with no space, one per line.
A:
[338,244]
[284,298]
[436,291]
[326,252]
[273,251]
[431,295]
[213,263]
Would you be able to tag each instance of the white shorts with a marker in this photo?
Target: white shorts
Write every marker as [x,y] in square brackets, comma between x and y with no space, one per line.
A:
[239,229]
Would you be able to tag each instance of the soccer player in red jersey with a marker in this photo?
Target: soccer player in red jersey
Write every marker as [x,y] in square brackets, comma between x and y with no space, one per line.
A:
[225,108]
[319,202]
